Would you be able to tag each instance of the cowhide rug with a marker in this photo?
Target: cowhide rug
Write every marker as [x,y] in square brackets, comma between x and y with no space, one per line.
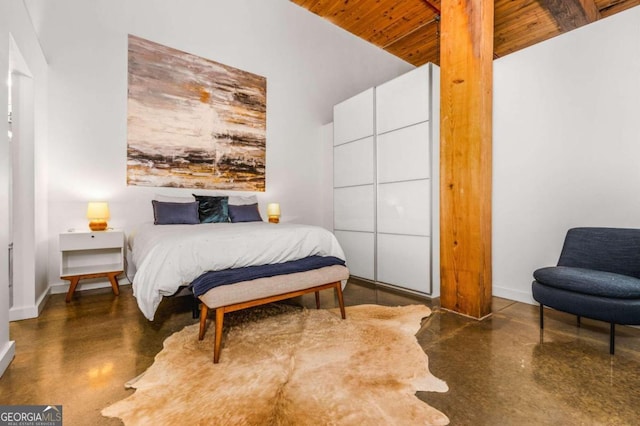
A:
[297,367]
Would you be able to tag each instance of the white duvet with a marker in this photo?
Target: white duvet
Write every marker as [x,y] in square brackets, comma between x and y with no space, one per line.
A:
[170,256]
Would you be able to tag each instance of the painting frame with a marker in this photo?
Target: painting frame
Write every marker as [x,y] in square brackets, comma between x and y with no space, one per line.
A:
[193,122]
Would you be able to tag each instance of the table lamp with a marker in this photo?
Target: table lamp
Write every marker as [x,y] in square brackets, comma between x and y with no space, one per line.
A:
[273,211]
[98,213]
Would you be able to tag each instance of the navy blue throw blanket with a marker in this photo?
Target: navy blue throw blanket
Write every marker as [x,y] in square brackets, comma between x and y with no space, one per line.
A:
[212,279]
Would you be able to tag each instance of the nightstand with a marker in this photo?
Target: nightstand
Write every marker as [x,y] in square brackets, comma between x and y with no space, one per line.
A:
[85,255]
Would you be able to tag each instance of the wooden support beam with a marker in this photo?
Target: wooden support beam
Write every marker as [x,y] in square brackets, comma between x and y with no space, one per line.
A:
[466,84]
[571,14]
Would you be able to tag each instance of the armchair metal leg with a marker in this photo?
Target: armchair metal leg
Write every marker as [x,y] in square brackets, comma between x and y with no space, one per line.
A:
[541,323]
[612,339]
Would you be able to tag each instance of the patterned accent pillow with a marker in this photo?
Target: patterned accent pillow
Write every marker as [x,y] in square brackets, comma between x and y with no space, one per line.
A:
[213,209]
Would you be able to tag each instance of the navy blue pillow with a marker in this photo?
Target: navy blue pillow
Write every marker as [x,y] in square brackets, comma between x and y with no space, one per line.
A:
[246,213]
[174,213]
[213,209]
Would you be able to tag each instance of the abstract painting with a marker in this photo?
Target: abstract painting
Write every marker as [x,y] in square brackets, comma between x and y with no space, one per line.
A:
[193,122]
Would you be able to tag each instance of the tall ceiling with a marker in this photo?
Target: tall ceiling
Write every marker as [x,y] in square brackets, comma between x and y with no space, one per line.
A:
[409,29]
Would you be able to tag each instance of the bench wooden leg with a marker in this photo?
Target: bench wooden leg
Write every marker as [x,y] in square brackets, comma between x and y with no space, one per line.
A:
[218,337]
[217,343]
[317,300]
[204,310]
[340,299]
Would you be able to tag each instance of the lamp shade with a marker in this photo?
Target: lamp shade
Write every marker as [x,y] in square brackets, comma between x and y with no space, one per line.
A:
[273,209]
[98,213]
[98,210]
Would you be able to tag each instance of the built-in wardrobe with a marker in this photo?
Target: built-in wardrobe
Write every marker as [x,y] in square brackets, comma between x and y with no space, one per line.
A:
[386,169]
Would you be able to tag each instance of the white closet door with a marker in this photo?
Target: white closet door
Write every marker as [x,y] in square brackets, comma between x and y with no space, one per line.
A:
[405,207]
[403,101]
[384,169]
[404,154]
[353,208]
[358,249]
[404,260]
[353,163]
[353,118]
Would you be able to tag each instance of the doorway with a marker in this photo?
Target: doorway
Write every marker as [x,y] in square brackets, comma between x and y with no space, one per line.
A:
[21,185]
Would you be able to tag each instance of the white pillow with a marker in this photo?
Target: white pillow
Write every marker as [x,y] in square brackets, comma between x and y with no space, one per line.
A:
[235,200]
[168,199]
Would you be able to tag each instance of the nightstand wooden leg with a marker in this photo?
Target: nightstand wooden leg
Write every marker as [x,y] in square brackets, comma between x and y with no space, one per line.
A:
[113,278]
[73,283]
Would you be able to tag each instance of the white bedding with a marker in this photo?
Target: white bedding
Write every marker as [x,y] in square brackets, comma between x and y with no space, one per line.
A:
[170,256]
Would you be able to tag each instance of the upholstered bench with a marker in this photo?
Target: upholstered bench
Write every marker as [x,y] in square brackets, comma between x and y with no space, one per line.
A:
[246,294]
[597,276]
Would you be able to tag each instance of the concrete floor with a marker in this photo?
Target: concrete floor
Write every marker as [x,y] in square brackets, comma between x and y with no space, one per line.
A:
[499,372]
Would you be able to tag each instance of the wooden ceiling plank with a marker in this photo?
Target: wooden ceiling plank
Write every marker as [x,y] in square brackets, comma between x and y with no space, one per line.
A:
[520,25]
[530,23]
[384,26]
[341,13]
[380,23]
[397,25]
[357,16]
[419,47]
[507,12]
[432,22]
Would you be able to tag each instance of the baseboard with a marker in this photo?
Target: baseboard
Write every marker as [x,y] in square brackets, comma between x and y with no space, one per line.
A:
[6,355]
[507,293]
[17,313]
[42,300]
[394,288]
[517,295]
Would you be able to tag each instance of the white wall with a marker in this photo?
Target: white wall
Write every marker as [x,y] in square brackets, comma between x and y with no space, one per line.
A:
[309,64]
[327,176]
[566,145]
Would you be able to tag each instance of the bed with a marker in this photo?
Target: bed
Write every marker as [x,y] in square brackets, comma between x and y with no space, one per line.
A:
[220,249]
[168,257]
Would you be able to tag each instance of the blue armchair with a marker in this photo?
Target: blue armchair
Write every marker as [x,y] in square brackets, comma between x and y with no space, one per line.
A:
[597,277]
